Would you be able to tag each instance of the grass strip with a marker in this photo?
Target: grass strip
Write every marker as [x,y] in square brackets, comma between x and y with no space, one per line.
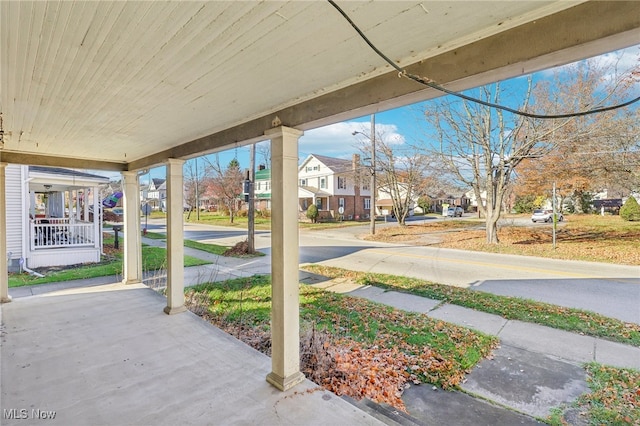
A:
[562,318]
[206,247]
[153,258]
[209,248]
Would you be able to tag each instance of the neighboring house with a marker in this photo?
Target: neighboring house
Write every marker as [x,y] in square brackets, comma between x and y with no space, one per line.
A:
[262,188]
[50,218]
[339,188]
[156,194]
[384,200]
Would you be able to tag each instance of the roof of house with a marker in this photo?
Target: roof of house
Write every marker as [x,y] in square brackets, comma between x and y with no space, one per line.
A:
[315,191]
[66,172]
[337,165]
[264,174]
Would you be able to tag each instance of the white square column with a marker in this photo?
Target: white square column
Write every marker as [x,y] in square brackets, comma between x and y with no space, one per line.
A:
[285,300]
[132,262]
[175,237]
[4,263]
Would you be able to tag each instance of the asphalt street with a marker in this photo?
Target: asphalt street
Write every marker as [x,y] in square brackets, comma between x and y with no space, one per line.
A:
[612,290]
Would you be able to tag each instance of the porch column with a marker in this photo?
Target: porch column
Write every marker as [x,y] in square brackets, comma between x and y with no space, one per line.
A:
[175,238]
[132,273]
[285,312]
[97,223]
[4,264]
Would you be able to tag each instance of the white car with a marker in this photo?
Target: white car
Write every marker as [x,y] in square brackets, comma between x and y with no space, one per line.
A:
[540,215]
[455,211]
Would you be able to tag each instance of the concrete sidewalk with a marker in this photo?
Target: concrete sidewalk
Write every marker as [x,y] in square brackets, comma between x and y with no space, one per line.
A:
[535,369]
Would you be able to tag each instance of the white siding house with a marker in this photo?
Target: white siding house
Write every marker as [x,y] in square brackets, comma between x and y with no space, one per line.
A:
[50,218]
[334,185]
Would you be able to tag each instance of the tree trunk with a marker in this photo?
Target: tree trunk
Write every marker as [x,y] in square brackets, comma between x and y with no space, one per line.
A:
[492,229]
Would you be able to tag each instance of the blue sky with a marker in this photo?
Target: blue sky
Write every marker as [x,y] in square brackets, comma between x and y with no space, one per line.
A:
[401,126]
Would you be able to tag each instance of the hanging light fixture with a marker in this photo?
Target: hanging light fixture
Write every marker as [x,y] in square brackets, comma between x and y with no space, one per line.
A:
[1,133]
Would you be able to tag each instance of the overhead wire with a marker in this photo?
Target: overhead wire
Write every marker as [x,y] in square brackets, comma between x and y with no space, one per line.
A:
[431,83]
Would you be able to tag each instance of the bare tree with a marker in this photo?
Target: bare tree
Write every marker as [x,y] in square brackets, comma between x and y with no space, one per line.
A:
[264,150]
[400,177]
[226,183]
[481,147]
[194,177]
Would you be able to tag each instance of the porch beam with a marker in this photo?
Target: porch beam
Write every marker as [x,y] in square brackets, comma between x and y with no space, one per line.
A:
[175,237]
[285,303]
[132,273]
[4,263]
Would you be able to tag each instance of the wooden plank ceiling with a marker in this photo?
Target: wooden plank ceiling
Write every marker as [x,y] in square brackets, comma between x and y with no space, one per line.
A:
[124,84]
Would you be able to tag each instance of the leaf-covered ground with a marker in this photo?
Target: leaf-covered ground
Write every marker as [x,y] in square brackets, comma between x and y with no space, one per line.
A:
[349,345]
[615,396]
[581,237]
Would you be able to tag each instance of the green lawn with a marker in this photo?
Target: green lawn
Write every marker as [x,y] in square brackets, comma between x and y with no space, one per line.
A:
[153,258]
[574,320]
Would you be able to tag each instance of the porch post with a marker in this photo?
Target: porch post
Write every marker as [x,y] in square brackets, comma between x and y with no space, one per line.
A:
[285,312]
[175,238]
[132,273]
[4,264]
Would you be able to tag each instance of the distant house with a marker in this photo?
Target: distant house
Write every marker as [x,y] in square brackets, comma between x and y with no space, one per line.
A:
[339,188]
[262,188]
[50,216]
[384,199]
[156,194]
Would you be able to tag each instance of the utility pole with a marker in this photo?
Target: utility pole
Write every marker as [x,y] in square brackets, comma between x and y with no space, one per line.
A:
[197,194]
[251,216]
[372,207]
[555,221]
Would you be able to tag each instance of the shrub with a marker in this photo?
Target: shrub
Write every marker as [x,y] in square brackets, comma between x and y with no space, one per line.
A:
[630,210]
[524,204]
[312,213]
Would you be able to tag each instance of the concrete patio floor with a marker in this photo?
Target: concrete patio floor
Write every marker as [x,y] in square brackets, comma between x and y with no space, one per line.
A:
[108,355]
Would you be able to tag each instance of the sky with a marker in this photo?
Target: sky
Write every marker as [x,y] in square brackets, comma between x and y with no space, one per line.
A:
[400,126]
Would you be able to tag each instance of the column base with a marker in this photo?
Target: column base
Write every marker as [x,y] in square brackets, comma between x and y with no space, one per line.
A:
[129,282]
[6,299]
[172,311]
[285,383]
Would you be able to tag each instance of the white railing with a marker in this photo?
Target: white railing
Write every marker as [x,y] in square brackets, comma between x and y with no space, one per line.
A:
[59,233]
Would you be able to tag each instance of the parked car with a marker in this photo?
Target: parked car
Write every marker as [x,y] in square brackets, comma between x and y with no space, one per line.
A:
[455,211]
[540,215]
[113,215]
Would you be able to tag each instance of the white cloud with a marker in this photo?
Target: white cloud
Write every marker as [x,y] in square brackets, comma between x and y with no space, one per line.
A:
[338,140]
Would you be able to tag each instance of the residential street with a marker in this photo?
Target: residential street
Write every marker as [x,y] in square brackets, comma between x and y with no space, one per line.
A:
[612,290]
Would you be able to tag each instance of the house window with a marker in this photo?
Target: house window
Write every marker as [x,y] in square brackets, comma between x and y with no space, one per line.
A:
[303,182]
[365,186]
[323,183]
[342,182]
[341,202]
[367,203]
[305,204]
[259,186]
[268,185]
[316,168]
[319,203]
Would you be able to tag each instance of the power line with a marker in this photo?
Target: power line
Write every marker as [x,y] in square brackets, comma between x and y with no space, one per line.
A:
[430,83]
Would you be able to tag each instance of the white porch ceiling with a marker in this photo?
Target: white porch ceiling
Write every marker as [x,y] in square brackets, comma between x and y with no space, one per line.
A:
[124,85]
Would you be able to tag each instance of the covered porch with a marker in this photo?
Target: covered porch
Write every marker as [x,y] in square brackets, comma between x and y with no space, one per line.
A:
[65,224]
[167,370]
[136,85]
